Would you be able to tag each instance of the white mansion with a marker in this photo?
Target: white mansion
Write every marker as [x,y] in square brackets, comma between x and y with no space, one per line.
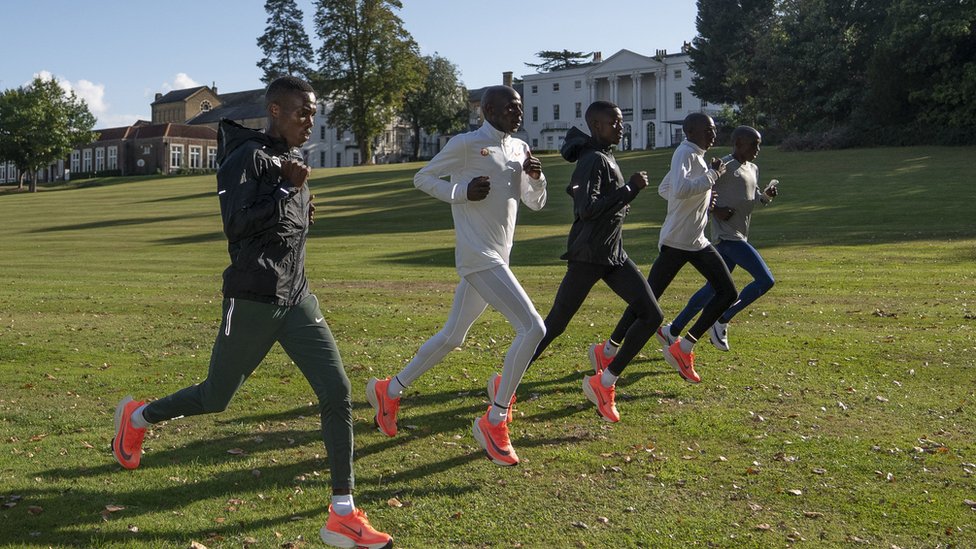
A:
[652,93]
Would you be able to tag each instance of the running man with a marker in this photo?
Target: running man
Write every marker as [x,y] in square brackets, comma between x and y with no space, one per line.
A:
[601,200]
[688,189]
[738,193]
[266,209]
[490,171]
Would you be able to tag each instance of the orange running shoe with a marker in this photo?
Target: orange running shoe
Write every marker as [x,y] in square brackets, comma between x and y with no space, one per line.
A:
[602,396]
[127,444]
[493,383]
[494,440]
[353,530]
[598,358]
[386,407]
[682,361]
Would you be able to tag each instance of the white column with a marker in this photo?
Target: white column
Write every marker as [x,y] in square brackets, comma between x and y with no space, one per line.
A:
[663,129]
[613,88]
[637,125]
[591,89]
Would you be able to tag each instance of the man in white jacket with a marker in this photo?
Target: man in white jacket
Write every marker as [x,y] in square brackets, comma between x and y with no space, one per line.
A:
[490,172]
[688,189]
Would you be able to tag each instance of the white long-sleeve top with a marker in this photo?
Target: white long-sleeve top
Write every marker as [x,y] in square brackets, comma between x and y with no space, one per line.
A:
[688,190]
[484,229]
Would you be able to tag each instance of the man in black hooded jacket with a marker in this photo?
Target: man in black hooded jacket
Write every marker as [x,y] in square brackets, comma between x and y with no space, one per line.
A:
[595,250]
[266,209]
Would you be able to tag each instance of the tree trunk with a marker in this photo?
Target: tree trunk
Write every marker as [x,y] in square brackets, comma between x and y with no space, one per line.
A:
[365,151]
[20,181]
[33,182]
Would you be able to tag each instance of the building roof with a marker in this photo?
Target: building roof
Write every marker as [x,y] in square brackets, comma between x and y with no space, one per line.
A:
[177,95]
[146,130]
[244,105]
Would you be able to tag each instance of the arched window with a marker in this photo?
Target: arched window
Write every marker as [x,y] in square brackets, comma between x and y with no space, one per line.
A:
[205,106]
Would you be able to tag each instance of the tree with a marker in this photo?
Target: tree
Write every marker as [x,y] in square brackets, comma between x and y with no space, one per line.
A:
[369,62]
[287,51]
[441,105]
[41,123]
[724,53]
[557,60]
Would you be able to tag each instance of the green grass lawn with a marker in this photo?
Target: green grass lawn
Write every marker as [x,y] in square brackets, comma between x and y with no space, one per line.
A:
[844,415]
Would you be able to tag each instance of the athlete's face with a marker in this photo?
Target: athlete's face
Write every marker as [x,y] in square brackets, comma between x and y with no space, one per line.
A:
[293,117]
[608,127]
[504,112]
[746,150]
[703,133]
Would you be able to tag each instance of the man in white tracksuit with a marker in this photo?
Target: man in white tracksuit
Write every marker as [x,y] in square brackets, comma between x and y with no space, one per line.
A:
[490,172]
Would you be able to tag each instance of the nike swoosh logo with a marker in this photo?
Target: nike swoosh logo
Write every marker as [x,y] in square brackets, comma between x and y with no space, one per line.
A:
[121,440]
[495,446]
[354,531]
[319,319]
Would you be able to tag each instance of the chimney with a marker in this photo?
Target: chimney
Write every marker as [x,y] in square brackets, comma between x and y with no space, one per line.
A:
[214,87]
[158,96]
[661,53]
[598,57]
[507,78]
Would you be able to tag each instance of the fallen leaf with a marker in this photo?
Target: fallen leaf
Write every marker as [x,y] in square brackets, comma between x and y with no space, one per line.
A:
[250,541]
[752,470]
[114,508]
[86,445]
[35,509]
[133,528]
[581,525]
[603,520]
[755,506]
[970,503]
[37,438]
[394,502]
[456,516]
[219,520]
[819,470]
[812,514]
[197,545]
[236,451]
[763,526]
[795,492]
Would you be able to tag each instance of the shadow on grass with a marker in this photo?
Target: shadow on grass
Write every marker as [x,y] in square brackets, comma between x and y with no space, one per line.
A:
[122,222]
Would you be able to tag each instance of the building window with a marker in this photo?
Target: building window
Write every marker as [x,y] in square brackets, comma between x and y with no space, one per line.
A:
[555,112]
[535,114]
[322,133]
[175,157]
[549,142]
[677,100]
[704,103]
[535,88]
[113,158]
[205,106]
[579,110]
[76,161]
[535,143]
[555,86]
[355,158]
[577,84]
[322,159]
[147,150]
[196,154]
[338,160]
[3,172]
[678,135]
[677,74]
[86,160]
[212,158]
[99,159]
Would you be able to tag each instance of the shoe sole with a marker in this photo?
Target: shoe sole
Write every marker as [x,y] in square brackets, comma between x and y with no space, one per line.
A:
[476,431]
[593,360]
[592,397]
[669,358]
[119,411]
[717,341]
[338,540]
[374,402]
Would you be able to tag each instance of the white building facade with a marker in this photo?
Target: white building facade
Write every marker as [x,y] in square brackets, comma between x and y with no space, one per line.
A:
[652,93]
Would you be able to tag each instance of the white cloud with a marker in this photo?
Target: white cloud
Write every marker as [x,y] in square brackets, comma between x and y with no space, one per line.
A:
[93,94]
[180,82]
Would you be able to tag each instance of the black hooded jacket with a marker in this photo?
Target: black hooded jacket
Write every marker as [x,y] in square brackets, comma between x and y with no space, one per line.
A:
[601,201]
[265,217]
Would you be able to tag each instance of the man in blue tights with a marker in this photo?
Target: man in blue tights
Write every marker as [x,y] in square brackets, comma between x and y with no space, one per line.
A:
[738,193]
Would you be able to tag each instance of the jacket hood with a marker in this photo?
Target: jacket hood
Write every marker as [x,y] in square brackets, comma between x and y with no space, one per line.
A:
[576,142]
[232,135]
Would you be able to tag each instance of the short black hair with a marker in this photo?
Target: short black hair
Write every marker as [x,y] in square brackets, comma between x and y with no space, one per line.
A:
[596,108]
[693,120]
[494,94]
[745,132]
[285,85]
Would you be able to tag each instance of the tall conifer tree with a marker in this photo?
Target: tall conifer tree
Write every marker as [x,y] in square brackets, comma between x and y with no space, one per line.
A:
[287,51]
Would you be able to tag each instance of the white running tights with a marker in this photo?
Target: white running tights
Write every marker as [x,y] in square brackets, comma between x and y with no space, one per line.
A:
[499,288]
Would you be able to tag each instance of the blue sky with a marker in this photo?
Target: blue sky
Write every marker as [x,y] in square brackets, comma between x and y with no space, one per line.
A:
[116,54]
